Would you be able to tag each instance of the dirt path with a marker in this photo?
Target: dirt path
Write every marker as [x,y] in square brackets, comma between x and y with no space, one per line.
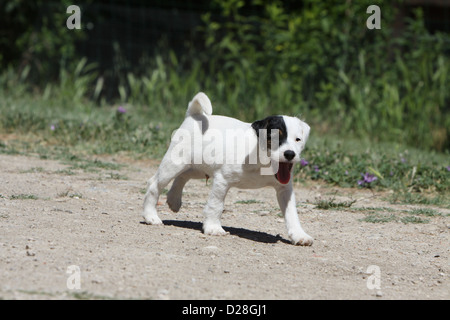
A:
[53,216]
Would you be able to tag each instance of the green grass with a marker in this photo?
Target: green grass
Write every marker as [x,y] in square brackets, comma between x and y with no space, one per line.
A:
[23,196]
[384,215]
[417,176]
[404,197]
[331,204]
[385,218]
[426,212]
[413,219]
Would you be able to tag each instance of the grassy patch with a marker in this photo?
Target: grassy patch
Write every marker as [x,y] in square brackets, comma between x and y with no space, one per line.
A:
[353,163]
[332,204]
[23,196]
[379,215]
[425,212]
[379,218]
[403,197]
[413,219]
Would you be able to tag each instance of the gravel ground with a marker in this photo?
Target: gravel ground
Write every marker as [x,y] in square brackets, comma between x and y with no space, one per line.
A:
[71,233]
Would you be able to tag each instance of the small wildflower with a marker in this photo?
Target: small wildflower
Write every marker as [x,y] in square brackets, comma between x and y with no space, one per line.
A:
[316,168]
[367,179]
[448,168]
[304,162]
[52,127]
[121,109]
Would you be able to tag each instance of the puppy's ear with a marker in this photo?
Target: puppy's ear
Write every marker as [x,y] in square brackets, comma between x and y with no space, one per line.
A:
[259,125]
[306,130]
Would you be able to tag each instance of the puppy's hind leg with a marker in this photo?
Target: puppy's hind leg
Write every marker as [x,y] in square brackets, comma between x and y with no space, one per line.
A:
[166,172]
[176,191]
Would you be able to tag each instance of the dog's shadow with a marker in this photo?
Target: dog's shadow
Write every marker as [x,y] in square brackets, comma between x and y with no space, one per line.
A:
[240,232]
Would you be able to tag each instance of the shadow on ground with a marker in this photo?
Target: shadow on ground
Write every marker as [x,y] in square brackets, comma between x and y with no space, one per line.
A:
[240,232]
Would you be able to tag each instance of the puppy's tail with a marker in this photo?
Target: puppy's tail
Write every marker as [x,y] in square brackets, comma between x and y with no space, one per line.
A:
[200,104]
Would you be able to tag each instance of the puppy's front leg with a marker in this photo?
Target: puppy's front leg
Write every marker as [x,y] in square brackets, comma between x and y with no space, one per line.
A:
[286,200]
[214,207]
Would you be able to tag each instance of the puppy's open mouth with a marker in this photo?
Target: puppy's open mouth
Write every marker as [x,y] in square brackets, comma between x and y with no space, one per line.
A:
[284,172]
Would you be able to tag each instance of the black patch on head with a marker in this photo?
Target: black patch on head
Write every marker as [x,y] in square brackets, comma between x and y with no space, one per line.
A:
[269,124]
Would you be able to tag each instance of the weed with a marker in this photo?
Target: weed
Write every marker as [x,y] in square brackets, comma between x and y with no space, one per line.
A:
[23,196]
[116,176]
[331,204]
[379,218]
[70,194]
[375,216]
[65,172]
[425,212]
[372,209]
[251,201]
[413,219]
[417,198]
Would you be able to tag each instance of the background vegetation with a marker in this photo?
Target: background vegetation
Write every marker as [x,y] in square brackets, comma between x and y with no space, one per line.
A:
[384,92]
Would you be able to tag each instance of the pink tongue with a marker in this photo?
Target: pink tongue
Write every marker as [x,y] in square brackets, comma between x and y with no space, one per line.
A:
[284,172]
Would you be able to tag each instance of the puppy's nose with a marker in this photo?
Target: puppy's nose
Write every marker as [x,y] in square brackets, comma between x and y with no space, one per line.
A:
[289,155]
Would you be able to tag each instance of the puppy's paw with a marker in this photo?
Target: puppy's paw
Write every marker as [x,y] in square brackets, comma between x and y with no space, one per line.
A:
[301,239]
[214,230]
[152,219]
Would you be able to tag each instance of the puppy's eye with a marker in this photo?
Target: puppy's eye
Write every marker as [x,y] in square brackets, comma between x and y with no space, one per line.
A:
[298,139]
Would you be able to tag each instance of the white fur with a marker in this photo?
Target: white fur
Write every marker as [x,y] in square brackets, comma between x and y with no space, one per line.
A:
[203,147]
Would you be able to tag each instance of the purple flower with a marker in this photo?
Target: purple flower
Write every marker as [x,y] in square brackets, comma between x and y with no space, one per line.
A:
[316,168]
[367,179]
[52,127]
[121,109]
[448,168]
[304,162]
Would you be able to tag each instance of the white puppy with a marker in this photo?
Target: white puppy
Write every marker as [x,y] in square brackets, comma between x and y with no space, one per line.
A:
[234,154]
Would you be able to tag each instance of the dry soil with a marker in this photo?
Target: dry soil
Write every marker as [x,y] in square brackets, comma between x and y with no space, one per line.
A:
[52,218]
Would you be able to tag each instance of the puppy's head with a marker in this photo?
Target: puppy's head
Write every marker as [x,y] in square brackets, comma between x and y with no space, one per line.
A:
[285,138]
